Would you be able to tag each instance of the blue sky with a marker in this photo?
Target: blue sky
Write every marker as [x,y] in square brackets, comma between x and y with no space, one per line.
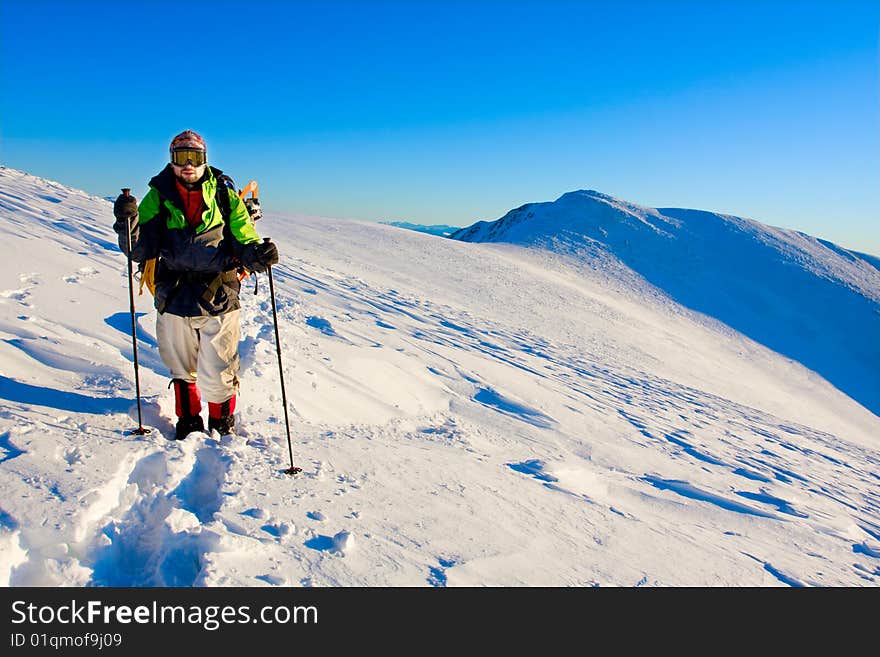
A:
[453,112]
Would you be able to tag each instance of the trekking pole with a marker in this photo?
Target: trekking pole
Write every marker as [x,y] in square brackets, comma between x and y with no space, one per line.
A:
[292,470]
[141,430]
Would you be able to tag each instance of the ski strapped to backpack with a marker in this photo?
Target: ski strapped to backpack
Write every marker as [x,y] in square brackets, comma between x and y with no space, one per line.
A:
[148,268]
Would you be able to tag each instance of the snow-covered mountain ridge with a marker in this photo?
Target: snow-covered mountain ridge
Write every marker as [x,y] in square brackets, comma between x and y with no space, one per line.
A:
[465,415]
[804,297]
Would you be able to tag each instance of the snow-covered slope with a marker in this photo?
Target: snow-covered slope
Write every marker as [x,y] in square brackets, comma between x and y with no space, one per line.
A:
[803,297]
[464,414]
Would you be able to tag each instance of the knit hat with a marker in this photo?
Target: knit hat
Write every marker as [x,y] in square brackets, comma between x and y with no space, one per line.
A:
[188,140]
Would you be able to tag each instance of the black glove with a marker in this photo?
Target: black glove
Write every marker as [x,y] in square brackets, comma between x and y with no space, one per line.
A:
[125,209]
[259,256]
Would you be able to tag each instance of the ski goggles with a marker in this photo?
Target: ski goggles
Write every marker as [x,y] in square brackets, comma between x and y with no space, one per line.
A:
[182,156]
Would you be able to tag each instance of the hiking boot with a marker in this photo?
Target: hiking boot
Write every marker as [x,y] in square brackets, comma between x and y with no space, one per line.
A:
[221,418]
[224,425]
[186,425]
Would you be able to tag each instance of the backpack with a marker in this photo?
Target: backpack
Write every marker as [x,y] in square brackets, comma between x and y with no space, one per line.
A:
[148,268]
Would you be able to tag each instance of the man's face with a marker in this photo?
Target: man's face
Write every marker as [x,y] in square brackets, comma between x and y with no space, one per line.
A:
[189,173]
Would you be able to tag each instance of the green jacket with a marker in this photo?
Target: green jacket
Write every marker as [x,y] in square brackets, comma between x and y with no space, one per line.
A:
[191,259]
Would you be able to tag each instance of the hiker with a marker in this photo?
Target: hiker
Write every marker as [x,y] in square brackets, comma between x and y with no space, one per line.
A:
[198,228]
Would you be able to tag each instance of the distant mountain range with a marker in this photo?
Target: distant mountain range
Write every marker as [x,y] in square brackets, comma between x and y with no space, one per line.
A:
[437,229]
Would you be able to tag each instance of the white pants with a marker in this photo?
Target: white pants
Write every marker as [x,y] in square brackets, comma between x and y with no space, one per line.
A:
[202,349]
